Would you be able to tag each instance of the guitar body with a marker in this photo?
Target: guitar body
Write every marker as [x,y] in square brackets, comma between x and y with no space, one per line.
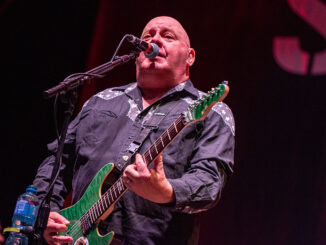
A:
[75,212]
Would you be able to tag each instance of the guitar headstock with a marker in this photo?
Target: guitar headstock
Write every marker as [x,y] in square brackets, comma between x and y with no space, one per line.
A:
[200,108]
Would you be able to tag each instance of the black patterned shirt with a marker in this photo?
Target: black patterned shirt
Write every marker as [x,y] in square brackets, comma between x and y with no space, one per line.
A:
[197,163]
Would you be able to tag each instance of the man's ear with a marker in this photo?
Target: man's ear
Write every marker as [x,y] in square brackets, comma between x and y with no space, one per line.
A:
[191,56]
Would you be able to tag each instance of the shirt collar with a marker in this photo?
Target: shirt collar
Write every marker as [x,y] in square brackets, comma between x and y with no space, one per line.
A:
[133,91]
[187,87]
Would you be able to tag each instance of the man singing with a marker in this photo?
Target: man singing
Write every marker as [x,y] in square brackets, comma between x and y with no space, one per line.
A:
[162,203]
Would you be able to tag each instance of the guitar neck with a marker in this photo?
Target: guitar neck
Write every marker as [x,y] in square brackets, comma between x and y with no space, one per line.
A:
[164,140]
[114,193]
[104,203]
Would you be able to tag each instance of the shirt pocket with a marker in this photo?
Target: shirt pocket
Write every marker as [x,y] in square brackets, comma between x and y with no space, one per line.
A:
[94,126]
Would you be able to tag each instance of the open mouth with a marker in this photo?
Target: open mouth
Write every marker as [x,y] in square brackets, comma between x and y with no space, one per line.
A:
[161,55]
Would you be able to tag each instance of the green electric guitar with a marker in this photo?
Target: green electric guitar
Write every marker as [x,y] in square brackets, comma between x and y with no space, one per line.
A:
[93,207]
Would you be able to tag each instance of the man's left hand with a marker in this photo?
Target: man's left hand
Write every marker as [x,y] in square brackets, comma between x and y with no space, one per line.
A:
[150,184]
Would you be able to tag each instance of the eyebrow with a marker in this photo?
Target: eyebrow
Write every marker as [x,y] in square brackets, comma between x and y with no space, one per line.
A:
[182,34]
[165,29]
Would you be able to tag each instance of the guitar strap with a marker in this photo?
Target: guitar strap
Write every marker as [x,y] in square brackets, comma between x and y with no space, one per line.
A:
[134,143]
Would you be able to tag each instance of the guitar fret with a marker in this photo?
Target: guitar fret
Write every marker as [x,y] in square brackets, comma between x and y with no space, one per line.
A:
[121,186]
[174,132]
[89,220]
[96,211]
[111,195]
[108,197]
[99,211]
[88,214]
[92,215]
[103,209]
[105,201]
[98,206]
[153,151]
[175,127]
[115,194]
[149,151]
[162,141]
[82,223]
[146,158]
[167,131]
[116,187]
[155,147]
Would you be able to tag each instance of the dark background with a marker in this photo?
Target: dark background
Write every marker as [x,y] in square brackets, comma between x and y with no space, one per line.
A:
[277,193]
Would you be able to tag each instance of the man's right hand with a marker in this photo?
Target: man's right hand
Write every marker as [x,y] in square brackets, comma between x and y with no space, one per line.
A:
[56,223]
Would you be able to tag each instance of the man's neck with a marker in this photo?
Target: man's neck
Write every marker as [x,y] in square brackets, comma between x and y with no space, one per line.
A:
[154,87]
[150,96]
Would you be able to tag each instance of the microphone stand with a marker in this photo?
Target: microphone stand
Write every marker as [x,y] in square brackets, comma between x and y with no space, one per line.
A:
[75,80]
[68,88]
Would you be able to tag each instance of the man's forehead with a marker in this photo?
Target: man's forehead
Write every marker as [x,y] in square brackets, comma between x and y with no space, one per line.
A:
[167,23]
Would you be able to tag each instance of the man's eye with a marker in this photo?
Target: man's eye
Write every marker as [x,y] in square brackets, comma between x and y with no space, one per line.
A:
[169,36]
[146,37]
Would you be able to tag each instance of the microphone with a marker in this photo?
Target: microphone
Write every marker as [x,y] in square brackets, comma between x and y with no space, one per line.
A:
[151,50]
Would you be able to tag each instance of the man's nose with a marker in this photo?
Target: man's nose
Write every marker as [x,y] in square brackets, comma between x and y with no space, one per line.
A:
[157,39]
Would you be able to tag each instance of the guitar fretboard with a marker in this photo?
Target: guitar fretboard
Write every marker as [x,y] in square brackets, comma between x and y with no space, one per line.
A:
[118,188]
[102,205]
[164,140]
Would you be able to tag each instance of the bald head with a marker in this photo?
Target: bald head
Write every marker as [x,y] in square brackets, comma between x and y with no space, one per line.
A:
[171,66]
[173,22]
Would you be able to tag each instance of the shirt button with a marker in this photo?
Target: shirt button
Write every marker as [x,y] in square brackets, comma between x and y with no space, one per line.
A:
[125,158]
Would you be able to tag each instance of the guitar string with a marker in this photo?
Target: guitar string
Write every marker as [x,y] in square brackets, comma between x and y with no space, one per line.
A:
[163,136]
[75,228]
[75,232]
